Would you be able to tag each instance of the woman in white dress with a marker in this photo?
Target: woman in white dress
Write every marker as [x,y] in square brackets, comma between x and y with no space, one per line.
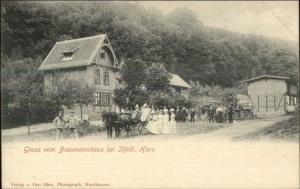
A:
[152,125]
[166,123]
[160,122]
[172,123]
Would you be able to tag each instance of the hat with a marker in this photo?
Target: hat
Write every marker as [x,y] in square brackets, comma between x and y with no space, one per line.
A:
[145,105]
[172,110]
[137,106]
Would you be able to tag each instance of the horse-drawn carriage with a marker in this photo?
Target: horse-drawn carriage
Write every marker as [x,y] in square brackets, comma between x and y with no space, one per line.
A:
[126,121]
[243,110]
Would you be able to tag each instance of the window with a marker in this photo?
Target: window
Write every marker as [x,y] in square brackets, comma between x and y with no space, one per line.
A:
[97,77]
[102,53]
[106,99]
[177,89]
[97,99]
[53,80]
[102,99]
[68,56]
[105,41]
[106,78]
[69,53]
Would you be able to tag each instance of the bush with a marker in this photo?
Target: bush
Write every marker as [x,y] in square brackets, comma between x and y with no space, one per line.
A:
[16,116]
[84,128]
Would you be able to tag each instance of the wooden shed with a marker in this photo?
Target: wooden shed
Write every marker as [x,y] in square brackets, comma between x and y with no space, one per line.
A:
[269,94]
[177,84]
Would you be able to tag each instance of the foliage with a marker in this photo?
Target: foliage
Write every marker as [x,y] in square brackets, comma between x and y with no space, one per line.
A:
[157,78]
[217,60]
[22,99]
[161,100]
[69,92]
[179,40]
[169,100]
[133,73]
[129,97]
[225,95]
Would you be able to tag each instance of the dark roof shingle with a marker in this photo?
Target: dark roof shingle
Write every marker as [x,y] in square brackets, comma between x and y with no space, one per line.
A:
[83,54]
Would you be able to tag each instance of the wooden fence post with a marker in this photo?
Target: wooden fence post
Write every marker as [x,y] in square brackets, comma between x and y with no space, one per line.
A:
[284,103]
[266,103]
[274,103]
[258,103]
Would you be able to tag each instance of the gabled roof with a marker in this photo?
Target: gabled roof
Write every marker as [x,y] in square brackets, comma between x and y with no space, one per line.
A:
[83,49]
[267,77]
[177,81]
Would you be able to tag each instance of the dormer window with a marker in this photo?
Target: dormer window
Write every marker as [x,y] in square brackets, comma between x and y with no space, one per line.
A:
[102,53]
[69,53]
[105,41]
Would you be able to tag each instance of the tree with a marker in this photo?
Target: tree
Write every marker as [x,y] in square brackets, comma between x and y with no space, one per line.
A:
[69,92]
[161,99]
[129,97]
[83,94]
[133,73]
[20,85]
[157,78]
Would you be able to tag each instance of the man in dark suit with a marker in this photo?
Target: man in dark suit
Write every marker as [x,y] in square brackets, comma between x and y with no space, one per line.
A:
[193,113]
[211,114]
[184,114]
[230,114]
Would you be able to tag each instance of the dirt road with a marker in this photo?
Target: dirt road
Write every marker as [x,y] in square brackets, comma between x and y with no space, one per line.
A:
[204,160]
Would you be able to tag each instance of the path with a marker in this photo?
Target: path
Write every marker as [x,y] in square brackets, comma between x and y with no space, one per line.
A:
[209,160]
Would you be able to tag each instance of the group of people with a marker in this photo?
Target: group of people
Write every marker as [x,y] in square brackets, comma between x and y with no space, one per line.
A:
[182,115]
[156,121]
[62,122]
[220,114]
[160,122]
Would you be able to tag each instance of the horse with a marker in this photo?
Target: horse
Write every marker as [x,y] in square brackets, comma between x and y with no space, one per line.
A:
[126,121]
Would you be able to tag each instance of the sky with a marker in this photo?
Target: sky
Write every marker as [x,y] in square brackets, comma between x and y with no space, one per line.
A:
[276,19]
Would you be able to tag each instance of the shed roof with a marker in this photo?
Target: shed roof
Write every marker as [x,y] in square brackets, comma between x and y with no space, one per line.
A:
[84,50]
[176,80]
[267,77]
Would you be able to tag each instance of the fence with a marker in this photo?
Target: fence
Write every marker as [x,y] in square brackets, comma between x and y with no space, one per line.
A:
[270,104]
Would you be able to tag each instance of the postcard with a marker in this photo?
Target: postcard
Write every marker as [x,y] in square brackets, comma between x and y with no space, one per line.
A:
[149,94]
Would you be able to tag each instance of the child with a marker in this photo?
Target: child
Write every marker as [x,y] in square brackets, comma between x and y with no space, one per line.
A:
[73,123]
[59,124]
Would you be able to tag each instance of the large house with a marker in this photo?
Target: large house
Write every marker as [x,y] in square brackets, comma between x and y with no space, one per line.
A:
[91,59]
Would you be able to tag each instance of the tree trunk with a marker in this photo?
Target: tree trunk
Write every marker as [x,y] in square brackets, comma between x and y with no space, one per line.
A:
[80,112]
[57,105]
[28,121]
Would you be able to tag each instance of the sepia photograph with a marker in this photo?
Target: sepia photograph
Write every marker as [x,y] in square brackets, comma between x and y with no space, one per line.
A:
[150,94]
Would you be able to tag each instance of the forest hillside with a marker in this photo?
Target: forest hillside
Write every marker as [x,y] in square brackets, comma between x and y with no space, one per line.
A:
[179,39]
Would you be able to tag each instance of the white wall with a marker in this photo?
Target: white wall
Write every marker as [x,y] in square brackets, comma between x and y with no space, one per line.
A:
[268,96]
